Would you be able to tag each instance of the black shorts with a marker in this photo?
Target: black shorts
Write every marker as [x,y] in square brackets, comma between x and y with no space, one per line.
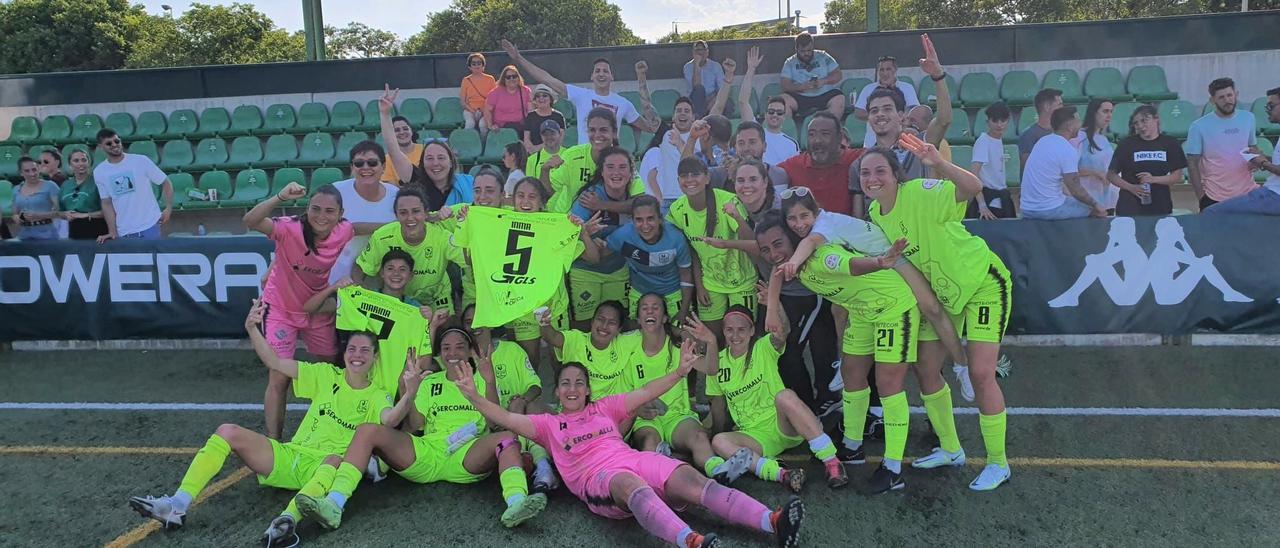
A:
[1006,209]
[806,105]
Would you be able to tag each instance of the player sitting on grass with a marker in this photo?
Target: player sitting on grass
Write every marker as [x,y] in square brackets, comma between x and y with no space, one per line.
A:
[453,446]
[617,481]
[341,399]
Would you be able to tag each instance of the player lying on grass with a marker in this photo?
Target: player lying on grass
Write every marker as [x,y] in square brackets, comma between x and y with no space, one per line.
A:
[668,422]
[341,399]
[453,446]
[617,481]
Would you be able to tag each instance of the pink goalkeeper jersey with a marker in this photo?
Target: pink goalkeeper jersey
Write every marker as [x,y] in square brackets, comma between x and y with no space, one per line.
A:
[585,443]
[297,273]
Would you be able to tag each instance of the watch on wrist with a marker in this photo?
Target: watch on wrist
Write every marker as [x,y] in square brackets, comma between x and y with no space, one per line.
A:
[939,77]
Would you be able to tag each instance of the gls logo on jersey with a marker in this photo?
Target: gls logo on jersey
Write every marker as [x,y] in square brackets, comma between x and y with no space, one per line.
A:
[1172,271]
[131,277]
[516,269]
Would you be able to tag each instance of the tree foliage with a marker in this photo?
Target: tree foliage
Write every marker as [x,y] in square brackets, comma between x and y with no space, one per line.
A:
[851,15]
[753,31]
[213,35]
[61,35]
[478,25]
[360,41]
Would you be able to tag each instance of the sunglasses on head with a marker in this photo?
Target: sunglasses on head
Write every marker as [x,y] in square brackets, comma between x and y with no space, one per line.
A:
[775,112]
[795,191]
[363,163]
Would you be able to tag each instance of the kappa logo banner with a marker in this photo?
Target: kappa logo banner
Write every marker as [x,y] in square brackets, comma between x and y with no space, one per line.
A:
[519,260]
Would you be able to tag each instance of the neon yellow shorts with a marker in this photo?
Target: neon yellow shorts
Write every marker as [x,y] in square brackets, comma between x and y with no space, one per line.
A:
[439,297]
[672,299]
[720,303]
[293,465]
[431,463]
[526,328]
[986,315]
[665,425]
[588,289]
[891,337]
[771,439]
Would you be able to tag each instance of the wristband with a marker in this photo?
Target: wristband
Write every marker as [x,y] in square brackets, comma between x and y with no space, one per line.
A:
[686,284]
[939,78]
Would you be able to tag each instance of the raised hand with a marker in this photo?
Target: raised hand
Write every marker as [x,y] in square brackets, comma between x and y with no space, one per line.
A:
[700,129]
[466,382]
[439,317]
[412,377]
[929,64]
[509,48]
[687,358]
[891,257]
[387,102]
[753,57]
[256,312]
[698,330]
[926,152]
[292,191]
[642,69]
[426,313]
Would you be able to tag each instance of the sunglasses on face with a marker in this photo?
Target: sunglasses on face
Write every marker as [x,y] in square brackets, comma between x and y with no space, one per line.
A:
[111,142]
[774,112]
[511,76]
[795,191]
[476,64]
[363,163]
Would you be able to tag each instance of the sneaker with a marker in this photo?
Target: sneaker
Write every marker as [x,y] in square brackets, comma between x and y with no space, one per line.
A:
[793,478]
[851,456]
[884,480]
[376,470]
[837,382]
[160,509]
[874,429]
[525,510]
[828,407]
[701,408]
[663,449]
[962,377]
[544,480]
[322,510]
[836,477]
[709,540]
[280,534]
[992,476]
[786,522]
[1004,366]
[734,467]
[937,459]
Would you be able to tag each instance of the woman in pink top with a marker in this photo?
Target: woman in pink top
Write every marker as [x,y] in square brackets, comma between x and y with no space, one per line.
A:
[507,104]
[307,246]
[617,481]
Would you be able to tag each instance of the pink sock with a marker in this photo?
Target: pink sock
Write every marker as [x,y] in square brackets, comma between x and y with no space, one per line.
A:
[656,517]
[735,506]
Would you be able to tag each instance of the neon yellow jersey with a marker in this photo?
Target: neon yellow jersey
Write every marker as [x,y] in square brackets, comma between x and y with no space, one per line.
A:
[578,169]
[641,369]
[605,368]
[336,408]
[723,270]
[749,389]
[397,325]
[445,408]
[430,257]
[954,261]
[866,297]
[512,371]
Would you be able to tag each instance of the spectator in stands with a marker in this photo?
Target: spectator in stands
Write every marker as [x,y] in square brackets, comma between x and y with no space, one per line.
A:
[995,202]
[81,206]
[437,176]
[543,100]
[404,140]
[1264,200]
[703,76]
[778,145]
[508,104]
[1096,152]
[886,78]
[1214,144]
[552,133]
[671,151]
[809,80]
[1046,102]
[51,166]
[1051,182]
[474,91]
[826,168]
[600,96]
[1145,165]
[514,159]
[651,164]
[749,144]
[917,121]
[35,203]
[124,184]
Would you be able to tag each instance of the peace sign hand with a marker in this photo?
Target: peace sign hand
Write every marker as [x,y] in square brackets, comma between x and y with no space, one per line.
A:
[466,380]
[926,152]
[387,102]
[930,64]
[412,377]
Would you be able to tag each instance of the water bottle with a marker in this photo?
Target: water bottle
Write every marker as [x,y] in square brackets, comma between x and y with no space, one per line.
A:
[1146,199]
[200,230]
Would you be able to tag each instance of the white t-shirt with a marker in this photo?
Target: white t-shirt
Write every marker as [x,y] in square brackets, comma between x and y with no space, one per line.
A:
[510,186]
[1051,158]
[651,163]
[861,236]
[1103,192]
[669,161]
[127,184]
[360,210]
[778,147]
[990,152]
[584,100]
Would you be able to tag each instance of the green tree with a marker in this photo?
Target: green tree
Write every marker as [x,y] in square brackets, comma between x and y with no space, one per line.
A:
[753,31]
[477,25]
[62,35]
[212,35]
[851,15]
[360,41]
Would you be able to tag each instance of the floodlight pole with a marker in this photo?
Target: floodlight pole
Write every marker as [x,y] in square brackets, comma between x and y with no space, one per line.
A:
[313,29]
[873,15]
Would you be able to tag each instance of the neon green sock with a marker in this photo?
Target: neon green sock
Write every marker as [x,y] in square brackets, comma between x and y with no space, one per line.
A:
[768,469]
[711,464]
[855,414]
[822,448]
[208,462]
[346,479]
[538,453]
[897,418]
[993,429]
[514,485]
[941,415]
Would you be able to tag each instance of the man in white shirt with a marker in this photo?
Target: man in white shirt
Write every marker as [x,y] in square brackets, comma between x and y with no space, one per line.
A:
[886,77]
[600,96]
[670,151]
[1264,200]
[124,182]
[1051,188]
[779,145]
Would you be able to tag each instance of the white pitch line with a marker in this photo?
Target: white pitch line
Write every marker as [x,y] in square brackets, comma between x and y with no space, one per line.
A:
[1215,412]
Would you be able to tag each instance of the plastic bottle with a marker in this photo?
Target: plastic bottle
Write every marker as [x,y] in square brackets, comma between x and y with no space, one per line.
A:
[200,230]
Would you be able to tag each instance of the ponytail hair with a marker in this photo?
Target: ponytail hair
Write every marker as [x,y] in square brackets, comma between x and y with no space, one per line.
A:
[308,233]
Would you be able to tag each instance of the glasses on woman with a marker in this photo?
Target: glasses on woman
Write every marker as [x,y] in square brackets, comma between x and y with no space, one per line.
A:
[795,191]
[511,76]
[363,163]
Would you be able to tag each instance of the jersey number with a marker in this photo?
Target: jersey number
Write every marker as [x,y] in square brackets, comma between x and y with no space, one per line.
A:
[639,371]
[984,315]
[722,375]
[520,265]
[387,325]
[884,338]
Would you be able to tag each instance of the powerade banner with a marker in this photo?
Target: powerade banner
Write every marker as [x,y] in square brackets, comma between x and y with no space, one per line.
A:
[1169,275]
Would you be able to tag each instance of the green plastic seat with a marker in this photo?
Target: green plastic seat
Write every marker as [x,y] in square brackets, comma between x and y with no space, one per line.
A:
[1068,82]
[1120,119]
[771,89]
[279,118]
[466,145]
[1026,118]
[210,154]
[213,122]
[122,123]
[927,91]
[218,179]
[979,89]
[960,132]
[244,120]
[177,156]
[285,175]
[664,101]
[9,155]
[1265,125]
[980,127]
[55,130]
[1265,145]
[372,116]
[345,116]
[6,196]
[182,184]
[497,141]
[570,136]
[279,152]
[1148,83]
[252,185]
[446,114]
[324,176]
[1019,87]
[1208,107]
[151,125]
[962,155]
[1176,118]
[342,153]
[146,148]
[803,132]
[84,129]
[626,140]
[1105,83]
[853,86]
[856,128]
[417,110]
[426,135]
[563,105]
[24,130]
[1012,166]
[34,151]
[311,117]
[182,123]
[314,150]
[245,152]
[99,155]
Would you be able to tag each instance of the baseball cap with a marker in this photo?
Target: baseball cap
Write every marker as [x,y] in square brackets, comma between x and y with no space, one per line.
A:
[549,125]
[543,88]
